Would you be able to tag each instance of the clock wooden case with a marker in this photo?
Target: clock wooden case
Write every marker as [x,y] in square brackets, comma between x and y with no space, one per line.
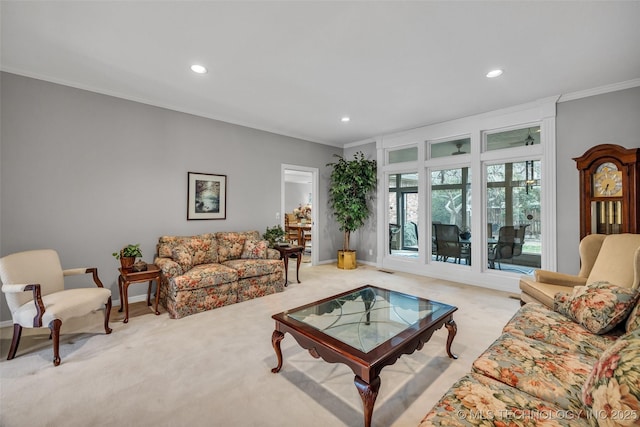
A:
[609,186]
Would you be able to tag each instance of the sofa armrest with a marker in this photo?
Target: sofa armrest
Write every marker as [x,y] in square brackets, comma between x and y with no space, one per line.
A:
[273,253]
[169,267]
[561,279]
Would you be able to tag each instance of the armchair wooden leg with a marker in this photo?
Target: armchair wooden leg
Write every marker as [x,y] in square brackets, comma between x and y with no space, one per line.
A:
[17,332]
[107,313]
[55,326]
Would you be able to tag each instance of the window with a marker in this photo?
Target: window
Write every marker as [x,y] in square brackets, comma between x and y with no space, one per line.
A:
[403,214]
[403,155]
[451,215]
[451,148]
[500,231]
[513,216]
[513,138]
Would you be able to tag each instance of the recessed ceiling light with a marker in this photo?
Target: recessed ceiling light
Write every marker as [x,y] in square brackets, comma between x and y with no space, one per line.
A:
[494,73]
[345,119]
[198,69]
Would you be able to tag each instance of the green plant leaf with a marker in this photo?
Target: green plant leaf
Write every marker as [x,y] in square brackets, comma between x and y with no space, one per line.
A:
[352,184]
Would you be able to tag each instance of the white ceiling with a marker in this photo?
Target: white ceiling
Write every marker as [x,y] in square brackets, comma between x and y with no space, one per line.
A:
[297,67]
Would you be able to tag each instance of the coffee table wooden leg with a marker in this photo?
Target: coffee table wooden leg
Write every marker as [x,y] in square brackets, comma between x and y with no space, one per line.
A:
[276,337]
[368,393]
[453,330]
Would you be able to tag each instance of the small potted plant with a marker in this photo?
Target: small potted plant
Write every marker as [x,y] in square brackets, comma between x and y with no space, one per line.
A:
[128,255]
[274,235]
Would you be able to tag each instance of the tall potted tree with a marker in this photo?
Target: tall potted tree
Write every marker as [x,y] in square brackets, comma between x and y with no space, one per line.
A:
[351,185]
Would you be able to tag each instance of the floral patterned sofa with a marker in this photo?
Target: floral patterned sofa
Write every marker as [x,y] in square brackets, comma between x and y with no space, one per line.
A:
[575,365]
[212,270]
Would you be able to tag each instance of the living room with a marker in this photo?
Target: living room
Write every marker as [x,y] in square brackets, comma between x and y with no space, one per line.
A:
[86,170]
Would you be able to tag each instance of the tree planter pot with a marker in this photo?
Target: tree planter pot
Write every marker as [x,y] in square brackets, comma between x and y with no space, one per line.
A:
[347,260]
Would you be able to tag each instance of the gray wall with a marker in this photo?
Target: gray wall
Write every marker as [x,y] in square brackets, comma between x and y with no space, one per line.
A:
[611,118]
[85,174]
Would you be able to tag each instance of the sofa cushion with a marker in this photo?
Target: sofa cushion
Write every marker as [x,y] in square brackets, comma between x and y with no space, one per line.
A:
[203,248]
[182,256]
[537,322]
[611,394]
[254,267]
[476,400]
[167,243]
[598,306]
[230,245]
[254,249]
[543,370]
[204,275]
[539,291]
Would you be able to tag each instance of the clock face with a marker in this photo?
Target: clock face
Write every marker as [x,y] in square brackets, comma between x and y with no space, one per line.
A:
[607,181]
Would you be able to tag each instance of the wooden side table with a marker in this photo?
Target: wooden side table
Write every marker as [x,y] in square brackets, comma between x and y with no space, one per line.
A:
[285,253]
[128,277]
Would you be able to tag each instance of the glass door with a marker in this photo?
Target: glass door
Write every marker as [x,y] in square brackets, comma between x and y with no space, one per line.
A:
[513,216]
[403,214]
[451,215]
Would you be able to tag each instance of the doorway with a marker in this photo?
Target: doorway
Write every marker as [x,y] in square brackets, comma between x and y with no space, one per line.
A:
[299,189]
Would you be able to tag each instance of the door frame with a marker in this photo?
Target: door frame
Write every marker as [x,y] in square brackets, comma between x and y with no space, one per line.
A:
[314,203]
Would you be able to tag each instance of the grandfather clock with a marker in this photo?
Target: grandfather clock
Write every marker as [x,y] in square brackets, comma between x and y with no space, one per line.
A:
[609,187]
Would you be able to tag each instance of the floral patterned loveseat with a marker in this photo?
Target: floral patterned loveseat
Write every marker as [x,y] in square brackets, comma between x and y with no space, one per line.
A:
[212,270]
[575,365]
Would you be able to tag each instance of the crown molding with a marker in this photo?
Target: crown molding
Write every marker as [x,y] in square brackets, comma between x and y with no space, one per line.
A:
[599,90]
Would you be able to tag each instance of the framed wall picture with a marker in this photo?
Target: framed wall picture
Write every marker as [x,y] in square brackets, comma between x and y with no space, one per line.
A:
[207,196]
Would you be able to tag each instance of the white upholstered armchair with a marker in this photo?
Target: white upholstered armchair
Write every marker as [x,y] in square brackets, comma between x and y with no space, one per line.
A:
[614,258]
[33,284]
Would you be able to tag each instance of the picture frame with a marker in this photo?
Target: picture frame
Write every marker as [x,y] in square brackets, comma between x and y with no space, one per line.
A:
[207,196]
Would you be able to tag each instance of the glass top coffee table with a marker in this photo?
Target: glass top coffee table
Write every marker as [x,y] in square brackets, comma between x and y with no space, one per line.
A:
[367,329]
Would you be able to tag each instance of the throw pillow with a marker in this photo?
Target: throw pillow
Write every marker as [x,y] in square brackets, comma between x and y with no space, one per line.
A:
[561,302]
[598,306]
[611,393]
[230,245]
[203,251]
[182,256]
[255,249]
[633,321]
[167,243]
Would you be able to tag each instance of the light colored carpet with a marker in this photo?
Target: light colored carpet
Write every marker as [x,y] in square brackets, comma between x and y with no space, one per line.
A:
[214,368]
